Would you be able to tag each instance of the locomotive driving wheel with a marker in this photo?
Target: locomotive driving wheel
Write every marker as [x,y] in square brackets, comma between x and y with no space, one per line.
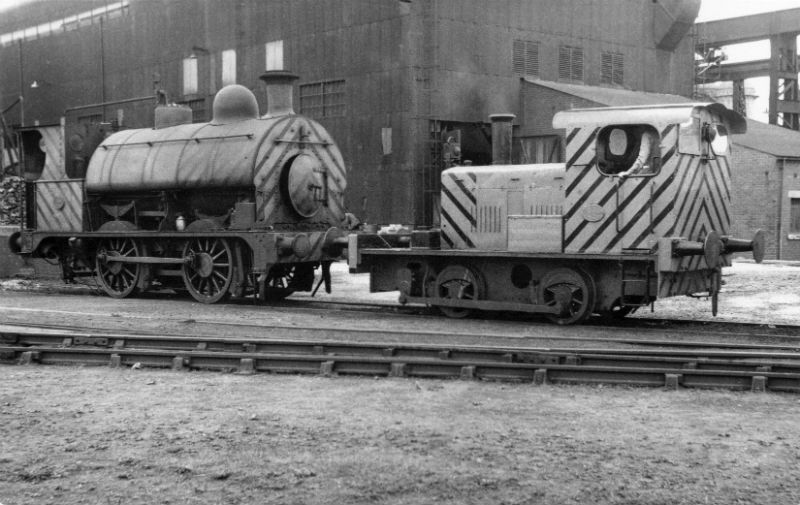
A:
[209,268]
[119,279]
[283,280]
[572,291]
[457,282]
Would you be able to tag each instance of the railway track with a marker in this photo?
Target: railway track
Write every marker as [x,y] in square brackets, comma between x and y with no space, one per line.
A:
[752,368]
[499,337]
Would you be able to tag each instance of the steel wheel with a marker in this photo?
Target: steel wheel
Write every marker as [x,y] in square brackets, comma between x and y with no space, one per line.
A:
[209,271]
[118,279]
[458,282]
[617,312]
[572,291]
[283,280]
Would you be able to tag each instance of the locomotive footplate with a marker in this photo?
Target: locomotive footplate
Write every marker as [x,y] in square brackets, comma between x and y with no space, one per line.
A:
[565,287]
[483,305]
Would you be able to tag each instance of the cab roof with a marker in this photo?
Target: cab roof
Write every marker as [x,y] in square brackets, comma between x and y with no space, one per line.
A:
[647,114]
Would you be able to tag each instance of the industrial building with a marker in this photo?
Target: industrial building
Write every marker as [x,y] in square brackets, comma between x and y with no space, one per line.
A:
[393,79]
[405,86]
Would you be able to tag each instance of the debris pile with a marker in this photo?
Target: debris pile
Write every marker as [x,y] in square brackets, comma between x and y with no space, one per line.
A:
[11,197]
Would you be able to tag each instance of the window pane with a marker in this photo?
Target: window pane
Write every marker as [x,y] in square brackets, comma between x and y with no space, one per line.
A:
[274,55]
[323,99]
[794,218]
[190,76]
[229,67]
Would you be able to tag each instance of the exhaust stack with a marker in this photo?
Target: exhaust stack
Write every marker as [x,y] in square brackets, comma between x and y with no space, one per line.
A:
[502,130]
[280,92]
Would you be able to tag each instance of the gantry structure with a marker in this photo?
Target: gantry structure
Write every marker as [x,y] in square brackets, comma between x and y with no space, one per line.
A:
[781,28]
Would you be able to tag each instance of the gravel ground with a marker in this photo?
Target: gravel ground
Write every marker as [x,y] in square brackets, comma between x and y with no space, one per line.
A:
[84,435]
[94,435]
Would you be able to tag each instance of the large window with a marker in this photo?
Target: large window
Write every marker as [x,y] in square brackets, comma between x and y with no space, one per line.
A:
[274,52]
[611,69]
[86,18]
[190,76]
[323,99]
[570,63]
[526,57]
[794,214]
[229,67]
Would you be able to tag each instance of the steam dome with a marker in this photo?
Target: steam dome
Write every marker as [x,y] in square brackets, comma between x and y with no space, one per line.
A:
[234,103]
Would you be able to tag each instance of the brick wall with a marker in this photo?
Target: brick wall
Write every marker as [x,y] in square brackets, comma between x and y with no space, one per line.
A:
[754,196]
[759,200]
[790,243]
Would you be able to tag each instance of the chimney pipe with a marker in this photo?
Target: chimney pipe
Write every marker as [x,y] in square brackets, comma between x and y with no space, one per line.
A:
[280,91]
[501,138]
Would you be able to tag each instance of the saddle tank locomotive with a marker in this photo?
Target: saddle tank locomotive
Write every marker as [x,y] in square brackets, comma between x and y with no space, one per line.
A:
[245,204]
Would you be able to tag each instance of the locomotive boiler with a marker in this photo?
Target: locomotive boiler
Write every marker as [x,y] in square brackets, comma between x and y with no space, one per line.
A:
[639,211]
[245,204]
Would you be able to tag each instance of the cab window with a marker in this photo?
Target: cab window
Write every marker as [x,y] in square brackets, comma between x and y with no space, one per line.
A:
[628,151]
[718,136]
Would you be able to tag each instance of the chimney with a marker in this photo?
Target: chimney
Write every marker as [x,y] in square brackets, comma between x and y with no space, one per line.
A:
[280,90]
[501,138]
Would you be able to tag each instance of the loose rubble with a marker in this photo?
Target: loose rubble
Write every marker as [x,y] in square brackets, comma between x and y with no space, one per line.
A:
[11,196]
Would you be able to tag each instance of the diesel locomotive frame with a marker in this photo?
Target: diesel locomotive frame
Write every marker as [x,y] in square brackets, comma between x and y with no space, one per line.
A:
[640,211]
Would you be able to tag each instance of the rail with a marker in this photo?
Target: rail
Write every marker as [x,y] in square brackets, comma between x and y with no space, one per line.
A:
[750,369]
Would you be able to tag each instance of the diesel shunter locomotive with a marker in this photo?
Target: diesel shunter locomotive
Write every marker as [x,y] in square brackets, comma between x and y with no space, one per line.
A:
[243,205]
[639,211]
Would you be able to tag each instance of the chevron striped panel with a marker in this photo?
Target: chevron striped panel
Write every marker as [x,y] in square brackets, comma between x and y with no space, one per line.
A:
[459,205]
[332,160]
[59,205]
[283,143]
[702,199]
[687,198]
[581,146]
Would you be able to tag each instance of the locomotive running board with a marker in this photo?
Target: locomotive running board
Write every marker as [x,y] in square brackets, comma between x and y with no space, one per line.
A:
[482,305]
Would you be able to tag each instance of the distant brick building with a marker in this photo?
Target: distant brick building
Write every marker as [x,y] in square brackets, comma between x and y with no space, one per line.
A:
[766,187]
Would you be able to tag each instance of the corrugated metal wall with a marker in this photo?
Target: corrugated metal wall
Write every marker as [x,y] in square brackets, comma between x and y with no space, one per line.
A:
[405,66]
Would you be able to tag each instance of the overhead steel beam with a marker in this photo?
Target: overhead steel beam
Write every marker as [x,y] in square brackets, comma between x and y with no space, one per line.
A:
[748,28]
[735,71]
[781,28]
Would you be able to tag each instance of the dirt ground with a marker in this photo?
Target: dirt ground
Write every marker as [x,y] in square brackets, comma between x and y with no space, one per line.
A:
[100,436]
[87,435]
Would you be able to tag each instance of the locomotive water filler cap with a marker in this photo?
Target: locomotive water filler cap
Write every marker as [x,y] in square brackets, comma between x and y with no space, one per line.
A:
[234,103]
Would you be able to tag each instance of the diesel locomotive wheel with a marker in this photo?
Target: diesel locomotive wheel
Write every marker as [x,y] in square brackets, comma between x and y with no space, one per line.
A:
[283,280]
[571,290]
[457,282]
[119,279]
[209,271]
[617,312]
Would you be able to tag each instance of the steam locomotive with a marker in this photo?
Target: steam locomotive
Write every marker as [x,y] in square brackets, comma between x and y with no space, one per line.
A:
[242,205]
[640,211]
